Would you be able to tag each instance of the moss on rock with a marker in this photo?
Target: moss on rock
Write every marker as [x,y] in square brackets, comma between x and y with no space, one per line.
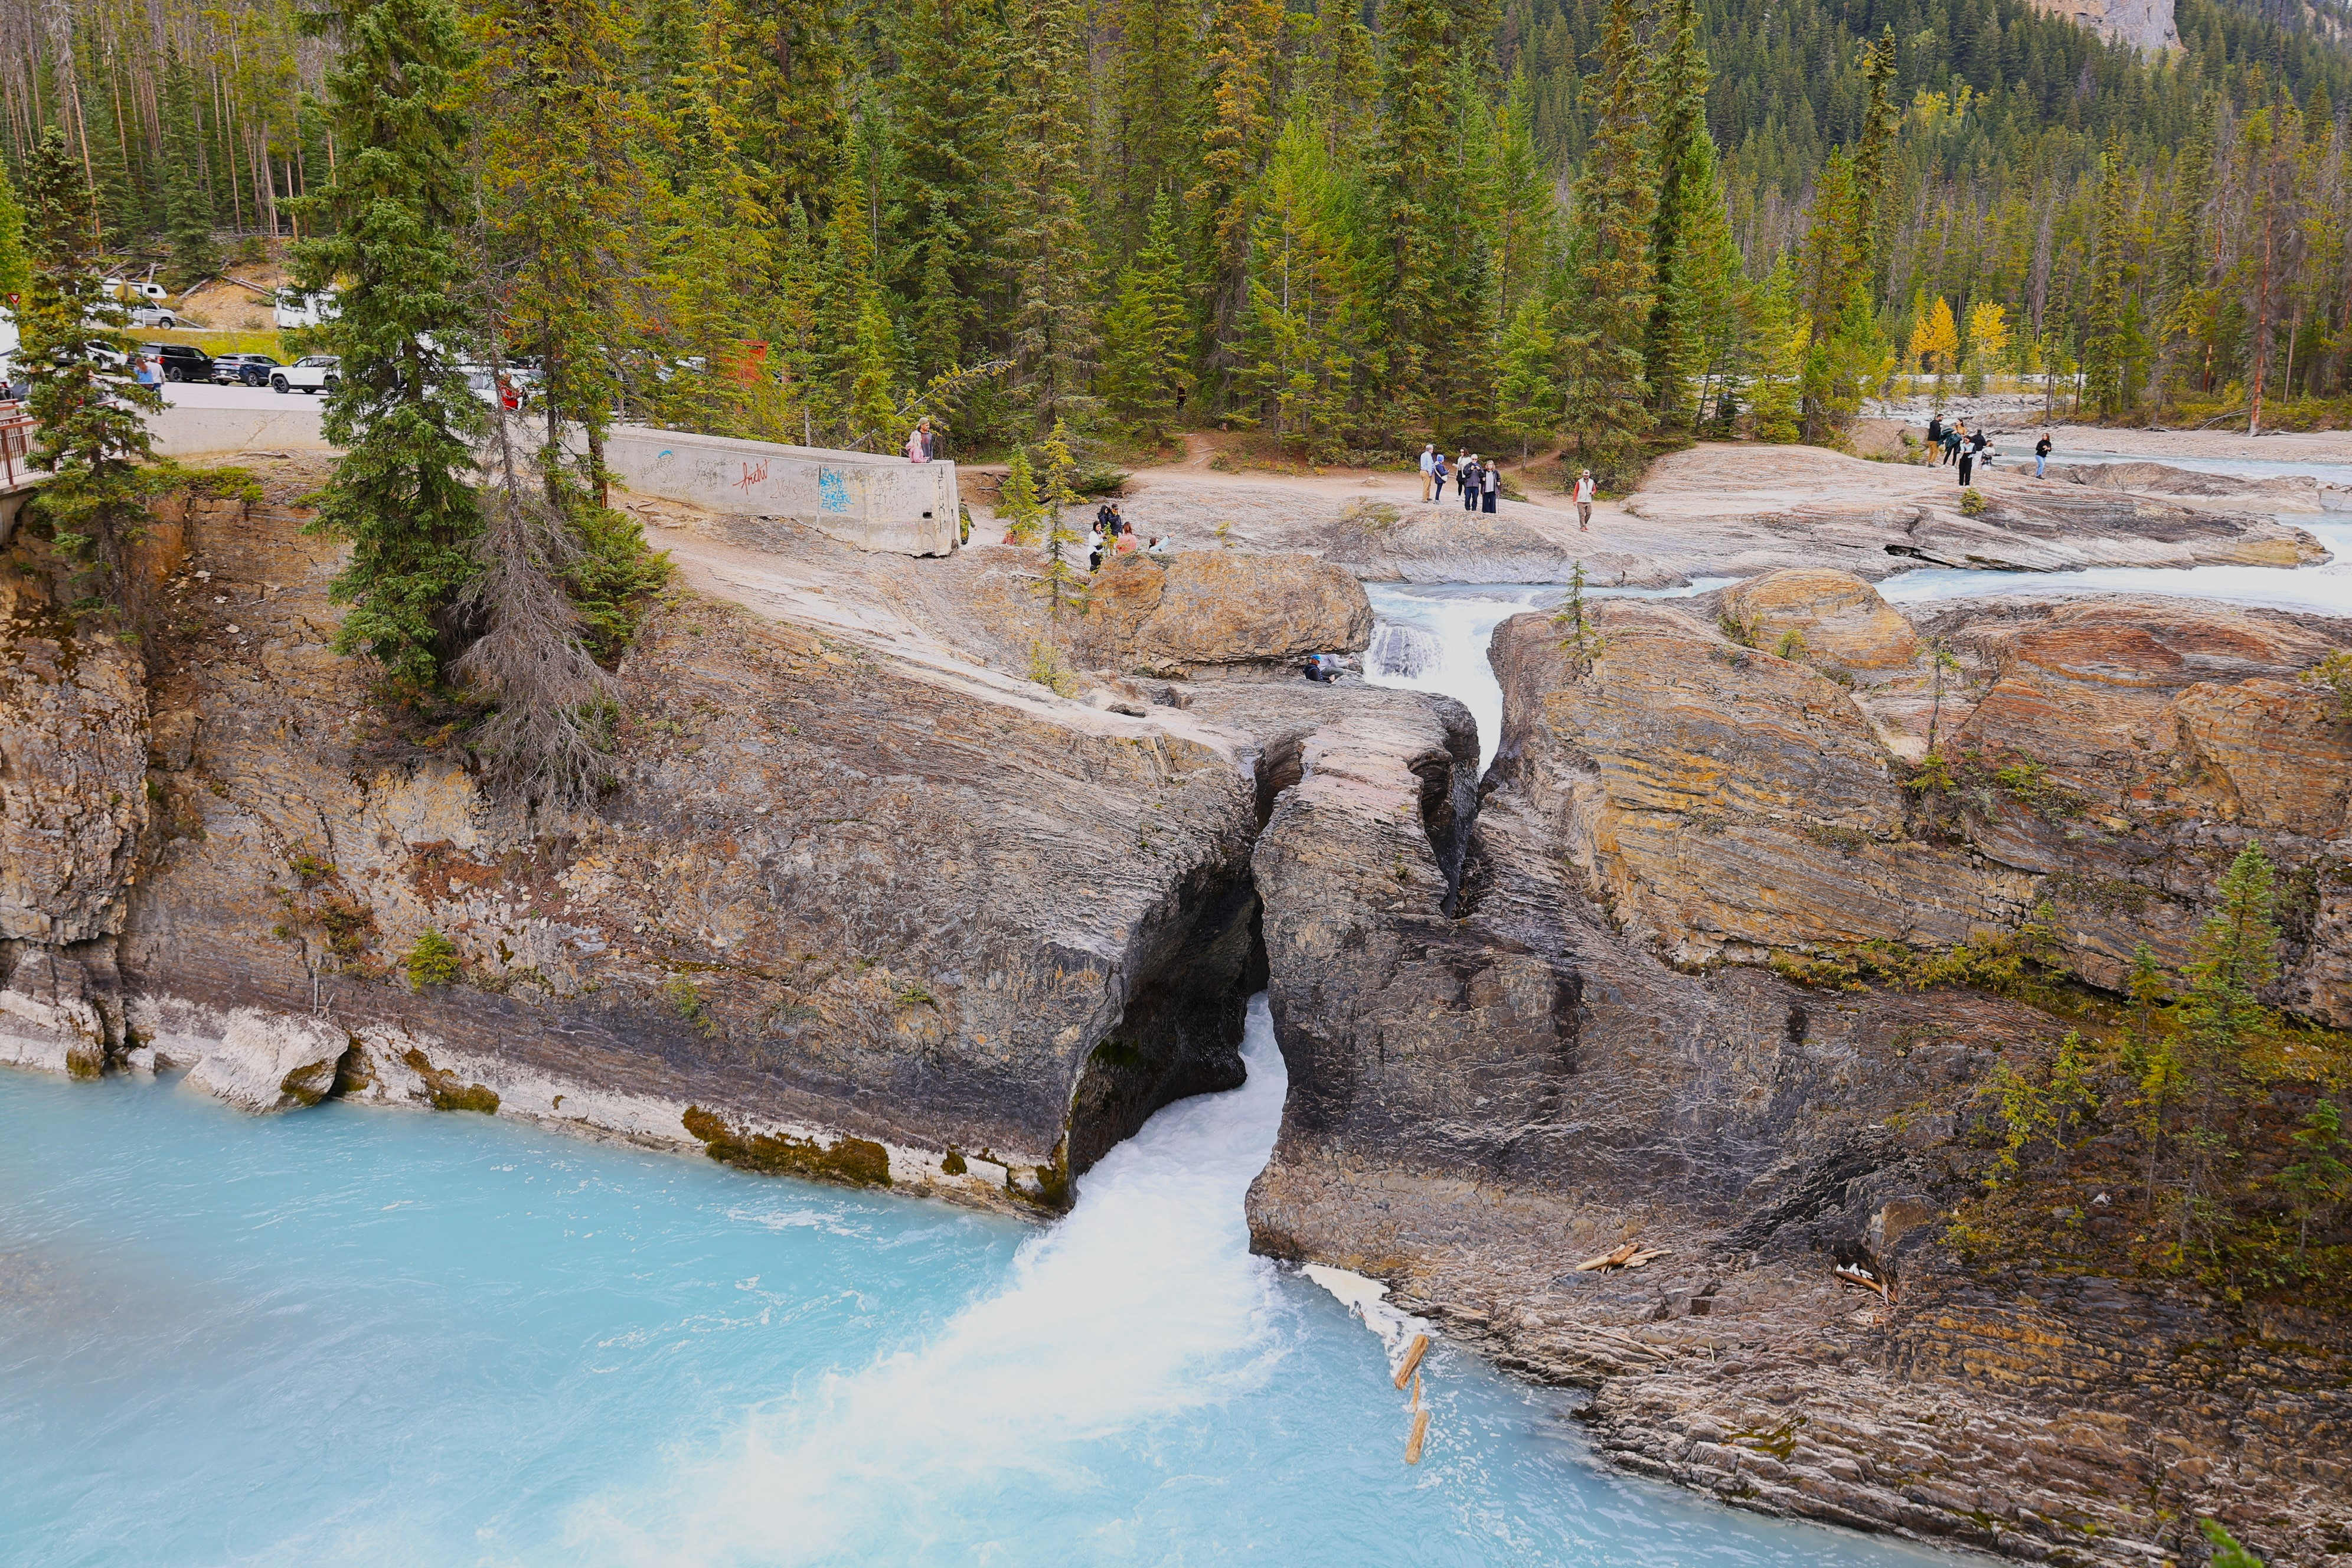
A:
[855,1162]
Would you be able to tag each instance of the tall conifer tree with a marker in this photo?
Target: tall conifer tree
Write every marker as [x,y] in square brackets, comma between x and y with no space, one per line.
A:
[1615,201]
[91,419]
[388,225]
[1044,139]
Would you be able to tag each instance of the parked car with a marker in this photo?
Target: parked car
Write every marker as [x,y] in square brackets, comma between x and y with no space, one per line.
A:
[106,357]
[153,316]
[311,372]
[242,370]
[181,362]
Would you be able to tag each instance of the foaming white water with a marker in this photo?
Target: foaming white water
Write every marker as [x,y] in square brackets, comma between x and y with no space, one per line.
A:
[1144,1302]
[1400,650]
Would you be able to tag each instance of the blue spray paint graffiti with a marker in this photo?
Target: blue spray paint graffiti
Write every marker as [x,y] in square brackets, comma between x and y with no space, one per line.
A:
[832,490]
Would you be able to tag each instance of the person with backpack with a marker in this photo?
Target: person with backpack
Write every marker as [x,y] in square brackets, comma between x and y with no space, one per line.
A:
[1952,437]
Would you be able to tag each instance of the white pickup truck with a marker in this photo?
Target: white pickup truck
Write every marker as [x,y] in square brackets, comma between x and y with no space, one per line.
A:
[311,372]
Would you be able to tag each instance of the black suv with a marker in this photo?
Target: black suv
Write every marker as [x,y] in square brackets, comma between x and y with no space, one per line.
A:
[181,362]
[242,370]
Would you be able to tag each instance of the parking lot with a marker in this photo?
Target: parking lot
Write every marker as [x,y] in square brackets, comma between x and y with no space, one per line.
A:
[202,394]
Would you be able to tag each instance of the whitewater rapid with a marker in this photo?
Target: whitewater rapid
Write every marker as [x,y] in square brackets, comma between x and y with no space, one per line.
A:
[1144,1302]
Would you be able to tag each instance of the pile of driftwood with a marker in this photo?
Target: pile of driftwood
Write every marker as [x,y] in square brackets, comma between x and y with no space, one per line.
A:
[1632,1255]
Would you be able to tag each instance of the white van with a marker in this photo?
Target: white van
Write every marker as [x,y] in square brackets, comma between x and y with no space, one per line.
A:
[294,309]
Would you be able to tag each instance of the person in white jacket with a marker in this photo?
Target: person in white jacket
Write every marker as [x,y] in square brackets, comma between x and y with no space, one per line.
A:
[1583,499]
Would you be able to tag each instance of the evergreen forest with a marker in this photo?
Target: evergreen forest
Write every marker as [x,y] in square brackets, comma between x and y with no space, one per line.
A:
[1506,223]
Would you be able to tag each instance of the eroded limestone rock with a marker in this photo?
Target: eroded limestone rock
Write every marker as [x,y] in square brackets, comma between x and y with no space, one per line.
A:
[268,1061]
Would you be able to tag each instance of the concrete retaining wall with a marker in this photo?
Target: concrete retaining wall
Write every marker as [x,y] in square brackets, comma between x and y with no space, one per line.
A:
[872,503]
[183,432]
[880,503]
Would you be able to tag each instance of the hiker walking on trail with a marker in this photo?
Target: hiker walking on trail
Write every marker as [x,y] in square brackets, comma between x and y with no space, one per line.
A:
[1428,466]
[1583,499]
[2041,454]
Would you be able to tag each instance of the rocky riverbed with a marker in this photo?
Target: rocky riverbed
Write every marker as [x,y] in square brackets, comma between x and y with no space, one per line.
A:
[910,875]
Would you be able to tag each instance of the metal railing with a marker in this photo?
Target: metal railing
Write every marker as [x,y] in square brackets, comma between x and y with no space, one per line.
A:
[15,437]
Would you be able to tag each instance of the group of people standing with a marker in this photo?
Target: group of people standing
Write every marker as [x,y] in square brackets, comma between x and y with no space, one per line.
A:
[1958,443]
[1477,481]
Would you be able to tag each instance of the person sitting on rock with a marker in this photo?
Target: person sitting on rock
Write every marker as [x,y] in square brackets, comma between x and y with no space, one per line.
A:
[1162,547]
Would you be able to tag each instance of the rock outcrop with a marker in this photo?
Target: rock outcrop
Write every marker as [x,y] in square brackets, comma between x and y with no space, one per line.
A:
[1488,1089]
[1202,613]
[2145,24]
[2103,759]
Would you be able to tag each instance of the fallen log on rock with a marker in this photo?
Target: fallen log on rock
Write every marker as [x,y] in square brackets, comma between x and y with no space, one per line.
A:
[1632,1255]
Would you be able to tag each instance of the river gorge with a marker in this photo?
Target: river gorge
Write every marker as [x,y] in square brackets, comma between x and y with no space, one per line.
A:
[1169,1040]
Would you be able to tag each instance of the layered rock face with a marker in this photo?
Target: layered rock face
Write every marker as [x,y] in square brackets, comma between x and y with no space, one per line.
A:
[838,902]
[1487,1091]
[2106,759]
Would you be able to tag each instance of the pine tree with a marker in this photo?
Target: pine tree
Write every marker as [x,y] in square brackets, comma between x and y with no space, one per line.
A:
[1678,79]
[1147,333]
[1300,342]
[15,269]
[1714,287]
[1156,107]
[1825,282]
[1044,139]
[1016,499]
[188,215]
[1525,216]
[1874,162]
[949,176]
[872,412]
[1778,354]
[565,207]
[2108,327]
[1242,37]
[785,69]
[2236,954]
[1407,324]
[387,227]
[1057,494]
[1615,201]
[92,431]
[1527,399]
